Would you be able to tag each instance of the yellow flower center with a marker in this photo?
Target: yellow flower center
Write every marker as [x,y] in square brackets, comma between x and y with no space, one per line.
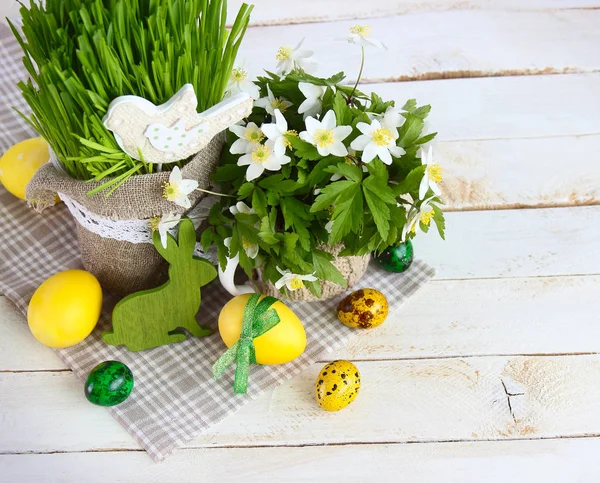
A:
[246,244]
[261,154]
[296,283]
[238,74]
[171,191]
[254,135]
[154,221]
[425,217]
[324,137]
[362,30]
[435,172]
[413,229]
[291,132]
[284,53]
[278,103]
[382,136]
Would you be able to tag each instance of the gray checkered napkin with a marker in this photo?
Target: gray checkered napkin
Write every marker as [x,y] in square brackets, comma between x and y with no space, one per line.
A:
[175,397]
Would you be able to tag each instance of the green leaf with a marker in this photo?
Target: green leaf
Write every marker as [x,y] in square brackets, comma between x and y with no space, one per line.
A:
[422,111]
[259,202]
[245,190]
[426,138]
[330,193]
[380,213]
[410,131]
[325,270]
[440,222]
[342,111]
[296,215]
[410,105]
[303,149]
[207,238]
[380,190]
[348,215]
[350,171]
[270,182]
[411,183]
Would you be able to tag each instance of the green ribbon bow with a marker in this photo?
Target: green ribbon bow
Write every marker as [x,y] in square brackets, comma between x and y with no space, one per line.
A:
[258,319]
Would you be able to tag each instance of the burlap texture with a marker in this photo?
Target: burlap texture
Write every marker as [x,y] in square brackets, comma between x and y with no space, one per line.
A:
[352,269]
[120,266]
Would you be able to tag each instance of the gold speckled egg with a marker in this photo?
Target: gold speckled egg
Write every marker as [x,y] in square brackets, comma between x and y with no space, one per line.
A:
[363,309]
[337,385]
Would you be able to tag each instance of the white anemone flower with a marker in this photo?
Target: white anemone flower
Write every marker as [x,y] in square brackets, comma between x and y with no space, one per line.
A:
[312,105]
[432,176]
[361,35]
[238,82]
[241,207]
[276,133]
[391,119]
[376,140]
[293,281]
[270,103]
[177,189]
[163,225]
[326,135]
[251,249]
[415,217]
[250,136]
[289,58]
[262,157]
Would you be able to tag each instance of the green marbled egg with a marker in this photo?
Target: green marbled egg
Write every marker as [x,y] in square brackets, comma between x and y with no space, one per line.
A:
[109,384]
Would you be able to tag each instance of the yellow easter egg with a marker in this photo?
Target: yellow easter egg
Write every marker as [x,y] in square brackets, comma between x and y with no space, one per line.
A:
[363,309]
[281,344]
[20,162]
[65,308]
[337,385]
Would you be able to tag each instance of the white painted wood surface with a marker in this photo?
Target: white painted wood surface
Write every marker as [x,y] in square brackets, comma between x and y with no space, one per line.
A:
[483,43]
[513,315]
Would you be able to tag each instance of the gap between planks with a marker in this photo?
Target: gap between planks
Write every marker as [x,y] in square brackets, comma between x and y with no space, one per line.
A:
[306,445]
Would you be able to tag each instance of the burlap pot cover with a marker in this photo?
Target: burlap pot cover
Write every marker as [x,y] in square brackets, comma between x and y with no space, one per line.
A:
[352,269]
[121,266]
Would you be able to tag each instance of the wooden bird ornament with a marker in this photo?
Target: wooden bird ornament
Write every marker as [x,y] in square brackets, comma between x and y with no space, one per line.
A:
[172,131]
[148,319]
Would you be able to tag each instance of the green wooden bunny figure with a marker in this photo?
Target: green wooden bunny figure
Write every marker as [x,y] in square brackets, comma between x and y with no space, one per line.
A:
[146,319]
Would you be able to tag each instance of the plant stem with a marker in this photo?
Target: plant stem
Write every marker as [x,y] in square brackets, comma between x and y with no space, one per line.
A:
[216,194]
[362,64]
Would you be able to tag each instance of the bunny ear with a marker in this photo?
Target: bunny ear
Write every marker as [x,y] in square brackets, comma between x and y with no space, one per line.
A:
[170,252]
[186,238]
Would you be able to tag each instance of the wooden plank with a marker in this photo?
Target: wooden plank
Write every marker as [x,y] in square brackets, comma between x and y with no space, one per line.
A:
[400,401]
[274,12]
[551,461]
[515,243]
[504,107]
[467,43]
[486,317]
[518,173]
[469,317]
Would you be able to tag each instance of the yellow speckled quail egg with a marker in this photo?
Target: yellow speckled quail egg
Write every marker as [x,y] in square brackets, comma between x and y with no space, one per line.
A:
[364,309]
[337,385]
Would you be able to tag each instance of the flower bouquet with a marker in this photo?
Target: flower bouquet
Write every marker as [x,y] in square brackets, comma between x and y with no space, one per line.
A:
[129,96]
[317,178]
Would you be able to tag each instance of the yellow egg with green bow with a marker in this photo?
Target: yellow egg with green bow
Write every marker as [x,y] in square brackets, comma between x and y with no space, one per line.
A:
[20,162]
[337,385]
[281,344]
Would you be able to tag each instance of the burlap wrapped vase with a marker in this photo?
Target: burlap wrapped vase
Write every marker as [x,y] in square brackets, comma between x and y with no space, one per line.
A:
[352,268]
[121,266]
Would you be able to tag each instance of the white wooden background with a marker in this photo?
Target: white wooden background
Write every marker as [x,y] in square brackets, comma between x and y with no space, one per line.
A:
[491,373]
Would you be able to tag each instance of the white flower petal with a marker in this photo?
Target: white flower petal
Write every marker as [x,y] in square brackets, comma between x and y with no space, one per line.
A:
[244,160]
[384,155]
[188,185]
[342,132]
[238,130]
[423,187]
[360,143]
[240,146]
[175,176]
[329,120]
[369,153]
[254,171]
[338,149]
